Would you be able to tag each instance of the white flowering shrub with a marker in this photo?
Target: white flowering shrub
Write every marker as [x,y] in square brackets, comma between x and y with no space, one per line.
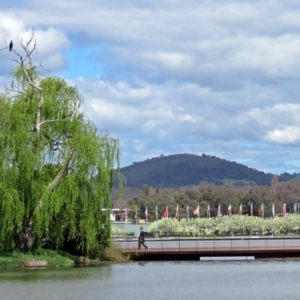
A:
[117,231]
[225,225]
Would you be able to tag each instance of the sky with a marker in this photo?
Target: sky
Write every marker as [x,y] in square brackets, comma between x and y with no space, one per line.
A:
[167,77]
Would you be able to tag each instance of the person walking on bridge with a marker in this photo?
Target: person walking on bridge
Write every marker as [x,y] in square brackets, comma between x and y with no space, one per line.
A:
[142,239]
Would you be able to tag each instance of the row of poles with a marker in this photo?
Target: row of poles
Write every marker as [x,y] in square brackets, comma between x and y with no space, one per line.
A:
[196,211]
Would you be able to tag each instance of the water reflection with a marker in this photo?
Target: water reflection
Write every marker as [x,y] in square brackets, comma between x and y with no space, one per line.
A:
[49,274]
[156,280]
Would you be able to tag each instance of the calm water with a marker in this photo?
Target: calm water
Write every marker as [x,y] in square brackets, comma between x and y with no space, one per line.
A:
[157,280]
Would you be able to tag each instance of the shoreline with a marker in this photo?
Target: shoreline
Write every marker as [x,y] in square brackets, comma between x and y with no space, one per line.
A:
[47,258]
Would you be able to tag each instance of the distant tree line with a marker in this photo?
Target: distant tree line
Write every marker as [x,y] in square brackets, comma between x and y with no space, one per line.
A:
[213,196]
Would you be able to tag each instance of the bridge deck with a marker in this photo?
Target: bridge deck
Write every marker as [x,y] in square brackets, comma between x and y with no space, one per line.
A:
[210,246]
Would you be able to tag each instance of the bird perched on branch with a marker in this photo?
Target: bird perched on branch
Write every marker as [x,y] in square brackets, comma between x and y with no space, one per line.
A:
[10,45]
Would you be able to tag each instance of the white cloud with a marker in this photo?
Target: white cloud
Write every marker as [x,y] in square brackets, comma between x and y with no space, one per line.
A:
[288,135]
[215,77]
[11,27]
[49,44]
[139,146]
[168,59]
[50,41]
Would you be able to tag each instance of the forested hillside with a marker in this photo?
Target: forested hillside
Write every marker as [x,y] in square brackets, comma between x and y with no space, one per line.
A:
[186,169]
[184,180]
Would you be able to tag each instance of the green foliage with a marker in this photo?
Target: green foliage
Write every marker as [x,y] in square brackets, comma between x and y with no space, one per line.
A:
[54,177]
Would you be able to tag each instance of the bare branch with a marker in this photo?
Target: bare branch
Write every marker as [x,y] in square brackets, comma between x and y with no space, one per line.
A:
[63,172]
[17,90]
[37,54]
[55,120]
[5,44]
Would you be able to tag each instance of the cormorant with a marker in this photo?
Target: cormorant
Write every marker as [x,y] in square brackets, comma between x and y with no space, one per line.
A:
[10,45]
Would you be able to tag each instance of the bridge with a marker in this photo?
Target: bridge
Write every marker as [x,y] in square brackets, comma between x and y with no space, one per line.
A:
[194,248]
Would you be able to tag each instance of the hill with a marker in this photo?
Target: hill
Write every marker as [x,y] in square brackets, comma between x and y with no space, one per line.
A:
[187,169]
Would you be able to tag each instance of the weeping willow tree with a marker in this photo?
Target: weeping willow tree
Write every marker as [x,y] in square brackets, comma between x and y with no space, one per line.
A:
[56,170]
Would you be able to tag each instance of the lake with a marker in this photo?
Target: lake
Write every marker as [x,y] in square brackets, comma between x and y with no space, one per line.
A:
[156,280]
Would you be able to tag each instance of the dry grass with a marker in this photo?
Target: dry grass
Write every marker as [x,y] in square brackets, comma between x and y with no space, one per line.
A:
[36,263]
[114,254]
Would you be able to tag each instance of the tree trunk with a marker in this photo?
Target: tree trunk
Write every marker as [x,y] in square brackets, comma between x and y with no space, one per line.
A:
[25,239]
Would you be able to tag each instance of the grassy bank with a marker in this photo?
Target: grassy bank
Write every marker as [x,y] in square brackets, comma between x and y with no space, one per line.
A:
[52,258]
[40,258]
